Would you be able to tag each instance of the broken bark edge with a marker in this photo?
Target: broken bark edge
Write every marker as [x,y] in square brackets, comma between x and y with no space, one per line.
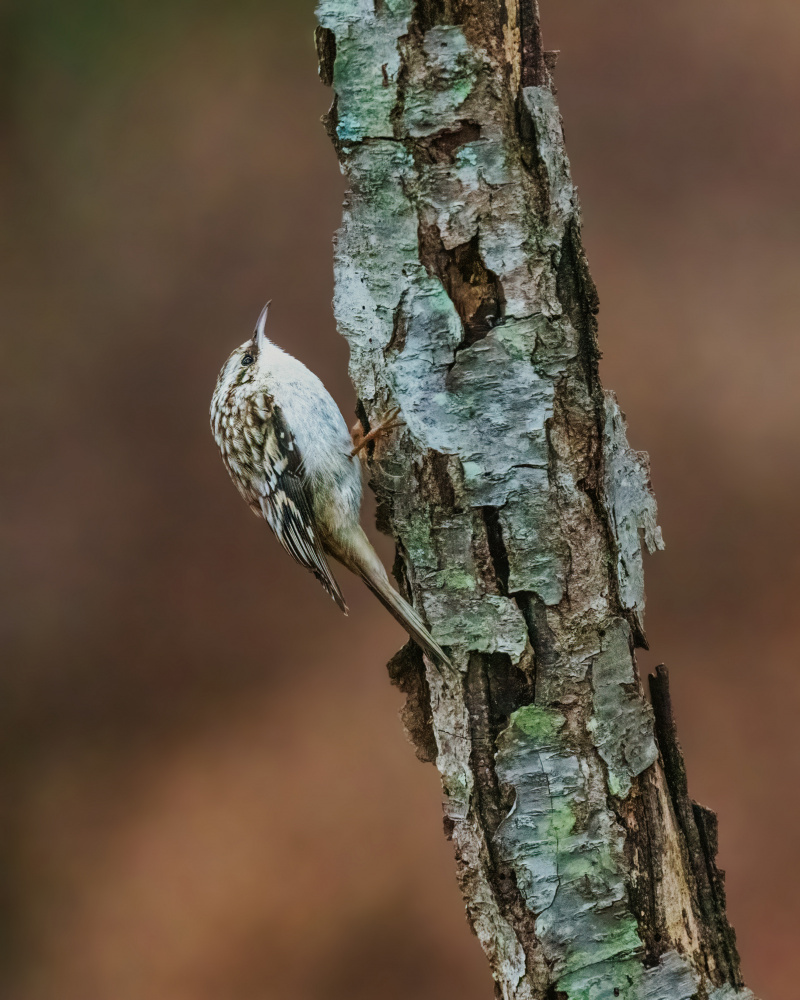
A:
[699,828]
[407,672]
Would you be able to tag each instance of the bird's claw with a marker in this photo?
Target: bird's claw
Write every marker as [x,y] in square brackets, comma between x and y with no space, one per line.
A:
[361,440]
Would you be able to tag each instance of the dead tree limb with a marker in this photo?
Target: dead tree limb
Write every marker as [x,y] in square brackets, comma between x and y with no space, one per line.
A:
[517,507]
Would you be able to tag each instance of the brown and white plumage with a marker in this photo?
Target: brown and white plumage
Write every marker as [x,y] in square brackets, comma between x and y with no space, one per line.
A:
[259,451]
[288,451]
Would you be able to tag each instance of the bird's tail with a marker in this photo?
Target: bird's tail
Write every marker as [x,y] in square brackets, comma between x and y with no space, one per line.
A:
[358,555]
[402,611]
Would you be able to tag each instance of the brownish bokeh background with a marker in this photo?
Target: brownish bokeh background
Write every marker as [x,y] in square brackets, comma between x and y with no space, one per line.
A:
[206,793]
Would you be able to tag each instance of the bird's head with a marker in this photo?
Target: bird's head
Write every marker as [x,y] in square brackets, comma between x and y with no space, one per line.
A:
[242,365]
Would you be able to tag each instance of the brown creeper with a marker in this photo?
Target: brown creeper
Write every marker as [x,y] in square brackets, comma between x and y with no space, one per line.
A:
[290,455]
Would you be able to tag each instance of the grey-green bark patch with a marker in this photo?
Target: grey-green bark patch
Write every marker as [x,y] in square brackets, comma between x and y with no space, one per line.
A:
[361,56]
[484,624]
[450,200]
[672,979]
[440,398]
[437,91]
[460,613]
[568,856]
[549,134]
[538,555]
[442,391]
[621,727]
[731,993]
[375,253]
[632,507]
[565,847]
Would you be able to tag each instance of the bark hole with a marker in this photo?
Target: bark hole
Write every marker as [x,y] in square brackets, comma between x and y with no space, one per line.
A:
[442,147]
[474,290]
[510,688]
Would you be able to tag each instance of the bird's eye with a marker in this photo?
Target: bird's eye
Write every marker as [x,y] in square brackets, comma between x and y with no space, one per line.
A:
[248,359]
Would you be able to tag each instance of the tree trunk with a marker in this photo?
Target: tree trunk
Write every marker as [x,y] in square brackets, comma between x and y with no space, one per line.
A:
[517,508]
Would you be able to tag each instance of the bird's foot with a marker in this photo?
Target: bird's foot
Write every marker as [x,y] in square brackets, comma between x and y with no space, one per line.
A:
[361,440]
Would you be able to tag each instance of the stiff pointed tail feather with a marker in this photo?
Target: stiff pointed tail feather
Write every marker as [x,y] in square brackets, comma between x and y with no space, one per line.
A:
[402,611]
[328,581]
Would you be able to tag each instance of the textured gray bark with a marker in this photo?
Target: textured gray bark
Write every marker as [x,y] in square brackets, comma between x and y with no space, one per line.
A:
[517,507]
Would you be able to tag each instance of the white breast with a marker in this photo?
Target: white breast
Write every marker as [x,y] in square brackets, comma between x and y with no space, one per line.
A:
[320,432]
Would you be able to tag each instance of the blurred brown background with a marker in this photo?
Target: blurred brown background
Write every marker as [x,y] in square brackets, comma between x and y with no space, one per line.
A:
[206,793]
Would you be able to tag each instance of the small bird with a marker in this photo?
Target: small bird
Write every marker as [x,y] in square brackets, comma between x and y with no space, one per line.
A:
[288,451]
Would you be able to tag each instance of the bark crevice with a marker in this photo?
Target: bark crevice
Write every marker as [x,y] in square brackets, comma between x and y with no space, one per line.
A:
[474,290]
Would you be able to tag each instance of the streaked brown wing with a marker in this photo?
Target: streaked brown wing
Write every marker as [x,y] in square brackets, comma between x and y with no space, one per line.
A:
[282,492]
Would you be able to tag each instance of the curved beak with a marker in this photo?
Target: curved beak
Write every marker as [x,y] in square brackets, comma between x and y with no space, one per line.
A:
[260,336]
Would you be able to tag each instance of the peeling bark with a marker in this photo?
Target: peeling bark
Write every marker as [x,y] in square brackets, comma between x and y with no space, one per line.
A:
[517,507]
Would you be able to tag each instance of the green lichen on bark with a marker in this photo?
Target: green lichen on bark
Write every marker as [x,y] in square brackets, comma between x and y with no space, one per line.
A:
[621,726]
[569,859]
[515,502]
[567,853]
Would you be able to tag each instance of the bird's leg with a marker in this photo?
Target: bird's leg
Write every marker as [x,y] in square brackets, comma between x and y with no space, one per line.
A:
[361,440]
